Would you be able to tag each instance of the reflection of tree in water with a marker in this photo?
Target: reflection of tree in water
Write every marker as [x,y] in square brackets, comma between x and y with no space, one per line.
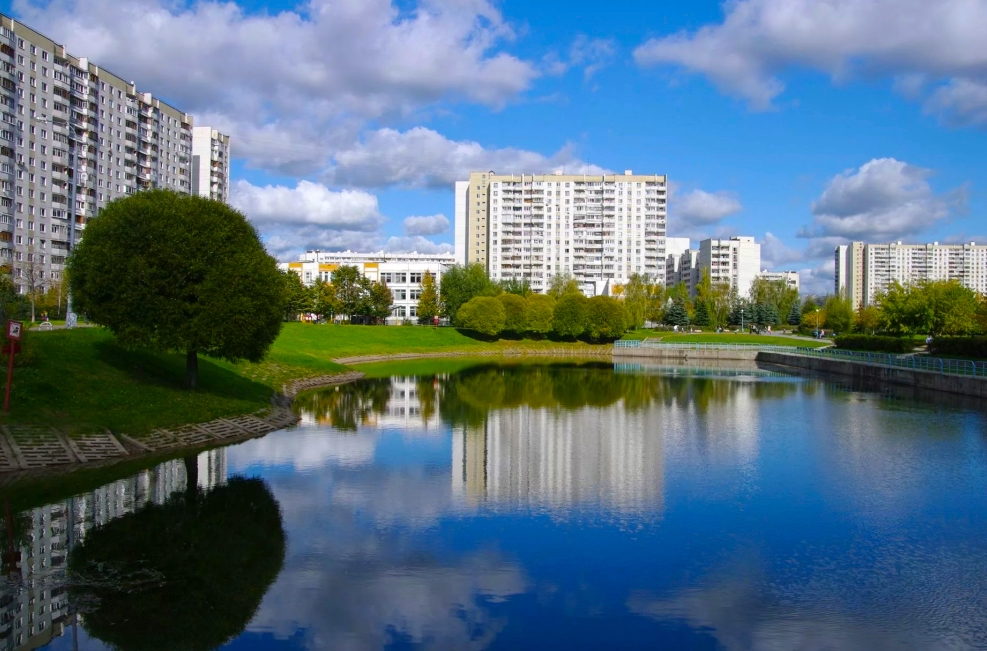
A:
[466,397]
[346,407]
[185,575]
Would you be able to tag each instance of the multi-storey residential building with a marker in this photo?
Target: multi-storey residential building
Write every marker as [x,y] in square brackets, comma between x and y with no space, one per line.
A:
[403,273]
[74,136]
[863,271]
[790,278]
[682,268]
[850,272]
[601,229]
[735,261]
[210,164]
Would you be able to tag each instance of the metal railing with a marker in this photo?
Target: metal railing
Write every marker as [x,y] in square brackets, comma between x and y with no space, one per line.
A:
[912,362]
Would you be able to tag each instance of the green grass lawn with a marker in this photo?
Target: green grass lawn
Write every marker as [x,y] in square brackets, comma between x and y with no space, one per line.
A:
[727,338]
[311,345]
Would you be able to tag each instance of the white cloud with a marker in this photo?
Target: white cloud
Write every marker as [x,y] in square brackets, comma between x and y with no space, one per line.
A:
[703,208]
[775,254]
[430,225]
[592,54]
[416,243]
[292,85]
[758,39]
[885,199]
[423,158]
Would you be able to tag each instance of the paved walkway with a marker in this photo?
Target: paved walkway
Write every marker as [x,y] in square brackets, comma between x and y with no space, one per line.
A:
[26,450]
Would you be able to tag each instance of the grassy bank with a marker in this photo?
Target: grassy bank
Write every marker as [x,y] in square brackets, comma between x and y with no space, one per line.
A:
[727,338]
[81,381]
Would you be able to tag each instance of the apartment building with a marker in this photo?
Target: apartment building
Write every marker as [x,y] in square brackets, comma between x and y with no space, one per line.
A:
[682,268]
[735,261]
[210,164]
[601,229]
[863,271]
[403,273]
[790,278]
[73,137]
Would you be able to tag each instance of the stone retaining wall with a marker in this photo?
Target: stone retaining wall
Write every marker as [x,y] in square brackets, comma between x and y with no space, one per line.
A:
[684,354]
[962,385]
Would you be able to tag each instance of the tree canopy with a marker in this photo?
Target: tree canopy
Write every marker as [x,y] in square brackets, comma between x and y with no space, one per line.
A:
[561,284]
[570,315]
[606,318]
[515,313]
[484,314]
[428,302]
[539,310]
[460,284]
[182,273]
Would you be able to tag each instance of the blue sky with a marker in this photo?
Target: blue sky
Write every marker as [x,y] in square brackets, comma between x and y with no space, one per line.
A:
[803,123]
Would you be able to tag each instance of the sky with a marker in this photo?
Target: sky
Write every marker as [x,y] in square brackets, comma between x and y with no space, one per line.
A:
[803,123]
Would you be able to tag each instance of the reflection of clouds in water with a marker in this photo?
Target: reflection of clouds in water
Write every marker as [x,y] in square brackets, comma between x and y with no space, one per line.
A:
[355,579]
[905,599]
[306,449]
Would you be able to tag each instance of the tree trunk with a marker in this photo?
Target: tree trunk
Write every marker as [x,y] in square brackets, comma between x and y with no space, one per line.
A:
[191,369]
[32,307]
[191,477]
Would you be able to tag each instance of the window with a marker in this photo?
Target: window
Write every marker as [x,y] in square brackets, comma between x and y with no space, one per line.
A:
[415,277]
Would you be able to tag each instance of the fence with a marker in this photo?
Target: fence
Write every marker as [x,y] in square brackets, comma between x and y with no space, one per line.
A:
[914,362]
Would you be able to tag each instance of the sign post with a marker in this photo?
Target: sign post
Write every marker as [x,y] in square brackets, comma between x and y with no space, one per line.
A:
[14,330]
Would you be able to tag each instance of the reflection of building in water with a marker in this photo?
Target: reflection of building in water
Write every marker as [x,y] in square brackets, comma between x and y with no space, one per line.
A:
[403,407]
[33,607]
[555,458]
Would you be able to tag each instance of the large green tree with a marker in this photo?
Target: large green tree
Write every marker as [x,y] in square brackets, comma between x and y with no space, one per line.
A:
[351,290]
[606,318]
[839,314]
[676,314]
[561,284]
[460,284]
[515,316]
[324,301]
[570,315]
[774,292]
[640,295]
[380,301]
[539,310]
[182,273]
[484,314]
[297,297]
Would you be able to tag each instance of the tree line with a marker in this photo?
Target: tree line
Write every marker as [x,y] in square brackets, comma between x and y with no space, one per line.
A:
[348,294]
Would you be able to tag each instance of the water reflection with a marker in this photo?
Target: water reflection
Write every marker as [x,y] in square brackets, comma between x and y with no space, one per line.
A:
[550,506]
[131,558]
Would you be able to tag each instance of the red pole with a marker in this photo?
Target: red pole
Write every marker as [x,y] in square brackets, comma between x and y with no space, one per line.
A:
[10,376]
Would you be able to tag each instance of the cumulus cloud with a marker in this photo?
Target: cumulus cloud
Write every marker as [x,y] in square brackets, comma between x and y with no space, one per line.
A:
[423,158]
[289,85]
[744,54]
[430,225]
[885,199]
[775,254]
[416,243]
[701,207]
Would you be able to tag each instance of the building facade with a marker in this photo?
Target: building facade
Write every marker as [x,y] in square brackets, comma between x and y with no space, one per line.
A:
[210,164]
[601,229]
[73,138]
[790,278]
[864,271]
[403,273]
[735,261]
[682,268]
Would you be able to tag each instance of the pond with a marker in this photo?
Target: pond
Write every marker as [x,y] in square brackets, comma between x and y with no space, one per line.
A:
[476,505]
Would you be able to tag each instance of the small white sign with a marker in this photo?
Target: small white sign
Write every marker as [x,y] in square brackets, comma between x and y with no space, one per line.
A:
[14,329]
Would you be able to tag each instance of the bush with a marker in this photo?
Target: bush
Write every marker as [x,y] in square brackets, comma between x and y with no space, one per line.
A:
[606,318]
[973,347]
[569,316]
[539,309]
[876,343]
[484,314]
[515,320]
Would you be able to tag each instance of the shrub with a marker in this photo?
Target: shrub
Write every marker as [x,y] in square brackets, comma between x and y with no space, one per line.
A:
[569,316]
[515,320]
[974,347]
[876,343]
[606,318]
[539,309]
[484,314]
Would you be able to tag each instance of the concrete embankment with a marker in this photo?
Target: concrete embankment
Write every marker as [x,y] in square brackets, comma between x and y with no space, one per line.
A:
[959,384]
[685,354]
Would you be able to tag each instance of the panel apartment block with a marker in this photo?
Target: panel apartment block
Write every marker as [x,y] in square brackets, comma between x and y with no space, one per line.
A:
[210,164]
[600,228]
[73,138]
[864,271]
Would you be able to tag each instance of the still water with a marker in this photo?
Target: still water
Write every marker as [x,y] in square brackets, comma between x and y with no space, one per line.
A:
[533,507]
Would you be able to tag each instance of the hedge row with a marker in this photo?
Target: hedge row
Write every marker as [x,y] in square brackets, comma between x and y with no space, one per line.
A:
[600,318]
[876,343]
[960,346]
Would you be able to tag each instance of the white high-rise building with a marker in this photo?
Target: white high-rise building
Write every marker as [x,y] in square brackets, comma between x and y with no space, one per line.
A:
[735,261]
[210,164]
[863,271]
[74,136]
[601,228]
[682,268]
